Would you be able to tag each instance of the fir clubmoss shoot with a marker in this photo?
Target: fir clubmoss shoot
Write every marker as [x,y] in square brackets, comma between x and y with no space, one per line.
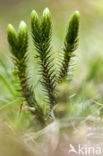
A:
[41,32]
[70,44]
[18,45]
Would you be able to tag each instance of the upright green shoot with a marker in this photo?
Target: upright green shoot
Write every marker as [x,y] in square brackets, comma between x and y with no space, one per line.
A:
[41,32]
[70,45]
[19,44]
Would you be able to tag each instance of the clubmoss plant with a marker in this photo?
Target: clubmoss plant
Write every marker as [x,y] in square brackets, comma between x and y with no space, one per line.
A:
[41,34]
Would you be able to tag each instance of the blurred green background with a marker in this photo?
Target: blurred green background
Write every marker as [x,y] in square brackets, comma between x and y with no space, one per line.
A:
[86,88]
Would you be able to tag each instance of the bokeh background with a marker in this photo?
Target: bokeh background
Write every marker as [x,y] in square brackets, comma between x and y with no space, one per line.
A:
[86,88]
